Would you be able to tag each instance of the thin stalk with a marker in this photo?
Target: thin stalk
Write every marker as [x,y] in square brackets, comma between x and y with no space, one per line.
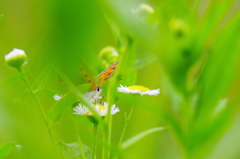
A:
[94,140]
[25,80]
[127,118]
[79,140]
[108,133]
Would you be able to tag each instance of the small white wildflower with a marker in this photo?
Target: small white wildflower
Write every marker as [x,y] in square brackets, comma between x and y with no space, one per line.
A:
[138,89]
[101,109]
[16,58]
[57,97]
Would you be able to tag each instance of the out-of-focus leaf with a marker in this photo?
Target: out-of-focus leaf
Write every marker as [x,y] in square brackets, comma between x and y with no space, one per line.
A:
[63,104]
[220,68]
[206,134]
[7,148]
[220,106]
[14,78]
[213,16]
[127,49]
[41,80]
[1,16]
[139,136]
[144,61]
[72,150]
[126,15]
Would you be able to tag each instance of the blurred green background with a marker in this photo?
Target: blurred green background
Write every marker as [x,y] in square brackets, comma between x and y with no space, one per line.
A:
[188,49]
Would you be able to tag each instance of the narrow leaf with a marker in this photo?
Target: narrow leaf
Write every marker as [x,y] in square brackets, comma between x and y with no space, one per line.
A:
[41,80]
[72,150]
[7,148]
[144,61]
[62,105]
[139,136]
[220,69]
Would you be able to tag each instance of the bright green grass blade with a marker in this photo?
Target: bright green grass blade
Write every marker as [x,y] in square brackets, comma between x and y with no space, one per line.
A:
[1,16]
[139,136]
[7,148]
[58,109]
[72,151]
[41,80]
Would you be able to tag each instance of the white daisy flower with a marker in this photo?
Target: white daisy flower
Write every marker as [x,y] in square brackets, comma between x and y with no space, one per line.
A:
[57,97]
[138,89]
[16,58]
[101,109]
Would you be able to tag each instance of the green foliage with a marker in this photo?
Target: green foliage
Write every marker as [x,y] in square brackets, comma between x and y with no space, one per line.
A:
[71,151]
[7,148]
[188,49]
[58,109]
[42,79]
[139,136]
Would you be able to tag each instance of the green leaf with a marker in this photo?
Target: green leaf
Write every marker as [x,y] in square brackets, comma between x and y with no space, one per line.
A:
[139,136]
[72,150]
[144,61]
[62,105]
[220,68]
[13,79]
[1,16]
[41,80]
[7,148]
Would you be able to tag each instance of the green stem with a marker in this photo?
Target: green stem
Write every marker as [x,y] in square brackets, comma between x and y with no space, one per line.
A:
[94,140]
[127,118]
[125,127]
[25,80]
[79,140]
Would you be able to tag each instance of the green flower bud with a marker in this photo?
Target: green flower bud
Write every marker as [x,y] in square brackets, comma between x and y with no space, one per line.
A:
[109,55]
[179,27]
[16,58]
[146,8]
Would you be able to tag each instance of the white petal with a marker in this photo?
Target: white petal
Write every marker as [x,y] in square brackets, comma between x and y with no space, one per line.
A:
[14,53]
[125,89]
[80,109]
[114,109]
[57,97]
[151,92]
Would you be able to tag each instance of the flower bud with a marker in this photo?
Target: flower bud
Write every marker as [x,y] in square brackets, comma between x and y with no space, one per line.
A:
[179,27]
[108,55]
[16,58]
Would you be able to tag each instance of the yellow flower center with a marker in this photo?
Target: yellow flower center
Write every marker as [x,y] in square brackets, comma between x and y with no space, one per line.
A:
[101,107]
[138,87]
